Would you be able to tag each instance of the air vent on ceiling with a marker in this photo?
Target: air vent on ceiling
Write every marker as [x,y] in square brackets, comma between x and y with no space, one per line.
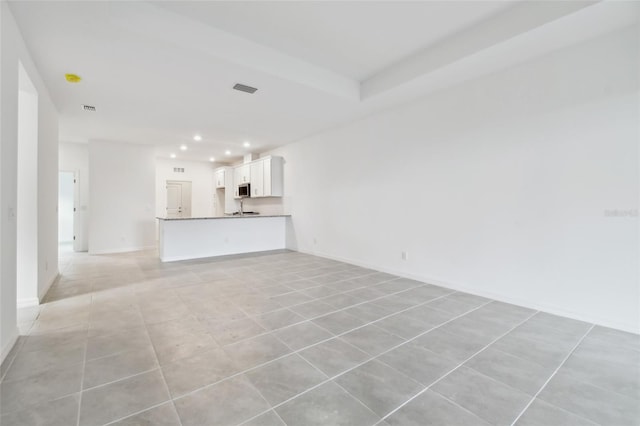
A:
[243,88]
[178,169]
[89,108]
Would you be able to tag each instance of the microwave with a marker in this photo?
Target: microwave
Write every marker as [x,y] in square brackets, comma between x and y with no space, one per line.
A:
[244,190]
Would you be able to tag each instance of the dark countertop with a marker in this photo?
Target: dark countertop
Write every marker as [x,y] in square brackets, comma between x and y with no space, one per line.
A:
[249,216]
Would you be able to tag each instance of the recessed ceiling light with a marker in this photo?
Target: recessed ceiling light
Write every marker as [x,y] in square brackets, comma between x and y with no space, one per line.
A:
[172,155]
[183,147]
[227,152]
[197,138]
[212,159]
[246,144]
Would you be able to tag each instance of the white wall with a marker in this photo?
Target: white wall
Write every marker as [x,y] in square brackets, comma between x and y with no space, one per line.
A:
[74,157]
[27,211]
[12,51]
[502,186]
[267,205]
[200,174]
[47,191]
[121,196]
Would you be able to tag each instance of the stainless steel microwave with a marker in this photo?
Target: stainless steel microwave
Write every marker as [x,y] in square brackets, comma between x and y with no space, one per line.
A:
[244,190]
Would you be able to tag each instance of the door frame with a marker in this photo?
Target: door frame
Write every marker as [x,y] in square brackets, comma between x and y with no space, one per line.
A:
[76,197]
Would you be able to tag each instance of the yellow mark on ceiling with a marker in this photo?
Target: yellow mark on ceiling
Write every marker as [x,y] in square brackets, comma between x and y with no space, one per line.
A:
[72,78]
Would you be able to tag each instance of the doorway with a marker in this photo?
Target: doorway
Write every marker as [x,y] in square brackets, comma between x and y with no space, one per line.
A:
[66,211]
[178,199]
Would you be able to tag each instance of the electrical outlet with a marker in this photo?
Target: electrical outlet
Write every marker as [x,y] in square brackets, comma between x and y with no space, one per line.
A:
[405,255]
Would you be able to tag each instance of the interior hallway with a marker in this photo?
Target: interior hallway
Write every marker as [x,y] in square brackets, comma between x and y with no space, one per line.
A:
[288,338]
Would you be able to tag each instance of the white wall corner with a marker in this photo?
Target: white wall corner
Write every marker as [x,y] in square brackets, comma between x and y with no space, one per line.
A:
[9,345]
[43,291]
[122,250]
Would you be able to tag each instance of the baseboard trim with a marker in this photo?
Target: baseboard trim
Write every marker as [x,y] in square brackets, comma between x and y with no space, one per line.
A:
[548,308]
[121,250]
[227,256]
[28,302]
[44,291]
[9,346]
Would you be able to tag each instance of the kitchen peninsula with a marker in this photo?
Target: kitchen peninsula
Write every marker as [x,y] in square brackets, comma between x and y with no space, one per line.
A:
[194,238]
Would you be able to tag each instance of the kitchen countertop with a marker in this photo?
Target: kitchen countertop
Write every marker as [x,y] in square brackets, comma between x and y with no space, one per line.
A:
[249,216]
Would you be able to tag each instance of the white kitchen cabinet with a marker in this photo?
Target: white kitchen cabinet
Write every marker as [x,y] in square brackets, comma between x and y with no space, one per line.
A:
[220,176]
[224,190]
[242,174]
[273,179]
[266,177]
[257,178]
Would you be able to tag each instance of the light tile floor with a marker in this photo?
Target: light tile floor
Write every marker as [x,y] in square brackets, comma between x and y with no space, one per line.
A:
[291,339]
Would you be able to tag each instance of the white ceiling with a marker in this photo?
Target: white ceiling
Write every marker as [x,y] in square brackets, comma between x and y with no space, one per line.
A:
[352,38]
[158,73]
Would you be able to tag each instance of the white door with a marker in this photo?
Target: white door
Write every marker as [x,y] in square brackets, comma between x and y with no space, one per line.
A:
[178,199]
[66,207]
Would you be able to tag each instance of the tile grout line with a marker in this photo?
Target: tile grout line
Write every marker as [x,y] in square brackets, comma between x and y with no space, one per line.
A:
[544,385]
[311,319]
[371,358]
[251,317]
[157,367]
[123,378]
[358,399]
[84,366]
[458,366]
[278,416]
[2,379]
[164,380]
[363,303]
[330,338]
[254,387]
[82,390]
[267,331]
[151,407]
[461,407]
[321,299]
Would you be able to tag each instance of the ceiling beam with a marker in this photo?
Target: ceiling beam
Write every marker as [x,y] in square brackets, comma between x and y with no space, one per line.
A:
[513,22]
[158,23]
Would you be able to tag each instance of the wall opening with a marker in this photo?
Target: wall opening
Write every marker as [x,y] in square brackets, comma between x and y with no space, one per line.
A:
[27,207]
[66,211]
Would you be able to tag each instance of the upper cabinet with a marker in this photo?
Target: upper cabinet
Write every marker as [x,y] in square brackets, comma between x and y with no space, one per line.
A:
[264,175]
[219,177]
[272,170]
[242,174]
[257,178]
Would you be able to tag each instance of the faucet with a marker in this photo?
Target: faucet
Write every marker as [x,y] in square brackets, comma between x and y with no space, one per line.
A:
[241,209]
